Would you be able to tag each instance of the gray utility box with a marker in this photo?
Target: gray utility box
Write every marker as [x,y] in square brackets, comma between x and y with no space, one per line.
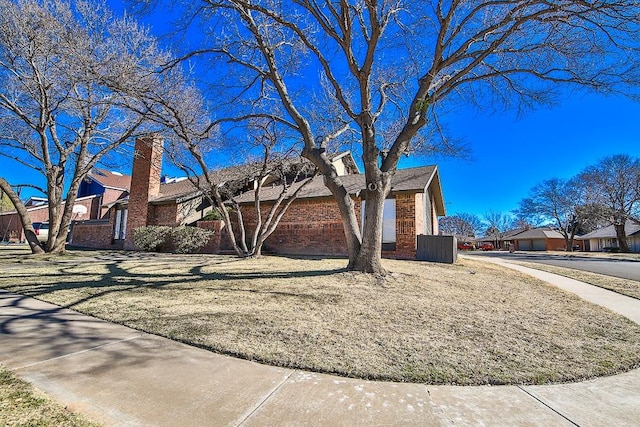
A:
[437,249]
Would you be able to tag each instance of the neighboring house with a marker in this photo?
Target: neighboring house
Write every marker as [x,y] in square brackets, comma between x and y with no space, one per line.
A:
[500,240]
[99,190]
[538,239]
[605,238]
[11,226]
[312,225]
[107,185]
[529,239]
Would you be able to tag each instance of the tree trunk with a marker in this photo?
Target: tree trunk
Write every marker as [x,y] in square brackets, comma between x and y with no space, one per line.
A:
[25,219]
[621,235]
[368,258]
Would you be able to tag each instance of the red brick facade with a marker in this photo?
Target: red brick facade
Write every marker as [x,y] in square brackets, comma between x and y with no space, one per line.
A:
[96,233]
[314,227]
[309,227]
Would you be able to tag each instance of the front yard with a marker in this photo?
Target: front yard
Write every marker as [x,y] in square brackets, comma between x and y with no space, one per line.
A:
[468,323]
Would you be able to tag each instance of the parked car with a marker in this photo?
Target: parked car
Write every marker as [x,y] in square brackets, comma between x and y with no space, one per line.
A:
[487,246]
[42,231]
[465,246]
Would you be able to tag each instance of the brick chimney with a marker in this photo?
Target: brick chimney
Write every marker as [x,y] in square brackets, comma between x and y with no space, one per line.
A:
[145,183]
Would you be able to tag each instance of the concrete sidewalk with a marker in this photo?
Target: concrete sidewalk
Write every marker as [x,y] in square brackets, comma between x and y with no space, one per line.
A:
[122,377]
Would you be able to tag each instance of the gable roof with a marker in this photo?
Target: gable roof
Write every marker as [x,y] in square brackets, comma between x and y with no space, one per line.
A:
[405,180]
[109,179]
[180,191]
[538,233]
[184,190]
[631,228]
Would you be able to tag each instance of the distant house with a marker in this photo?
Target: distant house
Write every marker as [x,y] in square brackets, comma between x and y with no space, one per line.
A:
[605,238]
[539,239]
[529,239]
[312,225]
[500,240]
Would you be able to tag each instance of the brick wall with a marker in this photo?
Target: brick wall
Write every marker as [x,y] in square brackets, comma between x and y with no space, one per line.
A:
[97,233]
[407,208]
[145,184]
[309,227]
[166,214]
[314,227]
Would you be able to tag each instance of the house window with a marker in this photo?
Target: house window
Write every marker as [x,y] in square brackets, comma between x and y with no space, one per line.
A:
[388,224]
[121,224]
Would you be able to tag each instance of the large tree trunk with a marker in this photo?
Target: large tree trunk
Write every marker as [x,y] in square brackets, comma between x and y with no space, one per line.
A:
[621,235]
[368,258]
[25,219]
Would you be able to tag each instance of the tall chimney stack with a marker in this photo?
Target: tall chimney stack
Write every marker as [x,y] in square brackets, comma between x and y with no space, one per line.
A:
[145,183]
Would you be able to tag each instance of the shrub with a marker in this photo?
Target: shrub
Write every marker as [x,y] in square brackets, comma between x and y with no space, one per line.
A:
[151,238]
[187,240]
[213,215]
[181,240]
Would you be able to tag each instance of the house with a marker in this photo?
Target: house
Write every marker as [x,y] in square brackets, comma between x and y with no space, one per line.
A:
[529,239]
[538,239]
[500,240]
[312,224]
[606,238]
[96,193]
[109,186]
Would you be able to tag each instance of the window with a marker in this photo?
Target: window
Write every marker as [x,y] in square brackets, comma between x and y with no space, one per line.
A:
[388,224]
[121,224]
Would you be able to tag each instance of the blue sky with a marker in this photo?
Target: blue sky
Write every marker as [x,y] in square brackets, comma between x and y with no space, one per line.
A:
[509,154]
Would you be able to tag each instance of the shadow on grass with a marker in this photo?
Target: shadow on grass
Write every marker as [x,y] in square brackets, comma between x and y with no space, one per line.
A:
[55,331]
[119,278]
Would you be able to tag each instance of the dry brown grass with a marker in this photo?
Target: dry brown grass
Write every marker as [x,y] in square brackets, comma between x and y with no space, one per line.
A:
[626,287]
[22,405]
[468,323]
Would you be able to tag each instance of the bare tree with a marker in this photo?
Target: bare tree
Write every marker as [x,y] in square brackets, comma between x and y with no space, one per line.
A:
[496,225]
[613,192]
[180,111]
[462,225]
[558,201]
[390,65]
[68,71]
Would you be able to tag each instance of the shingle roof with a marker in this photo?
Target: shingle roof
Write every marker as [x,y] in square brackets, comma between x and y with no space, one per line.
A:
[538,233]
[185,190]
[110,179]
[411,179]
[630,227]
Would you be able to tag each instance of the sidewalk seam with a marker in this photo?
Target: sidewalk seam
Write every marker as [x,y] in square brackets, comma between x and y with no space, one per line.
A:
[547,405]
[64,356]
[267,397]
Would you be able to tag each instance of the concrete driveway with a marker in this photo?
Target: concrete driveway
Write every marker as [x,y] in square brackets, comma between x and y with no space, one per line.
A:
[625,269]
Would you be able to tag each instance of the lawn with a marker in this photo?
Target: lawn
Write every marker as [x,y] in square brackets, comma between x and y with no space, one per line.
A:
[468,323]
[22,405]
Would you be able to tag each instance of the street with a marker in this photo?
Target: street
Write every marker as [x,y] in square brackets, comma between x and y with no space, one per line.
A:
[625,269]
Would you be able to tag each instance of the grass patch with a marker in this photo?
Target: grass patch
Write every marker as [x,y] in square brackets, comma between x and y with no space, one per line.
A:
[468,323]
[23,405]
